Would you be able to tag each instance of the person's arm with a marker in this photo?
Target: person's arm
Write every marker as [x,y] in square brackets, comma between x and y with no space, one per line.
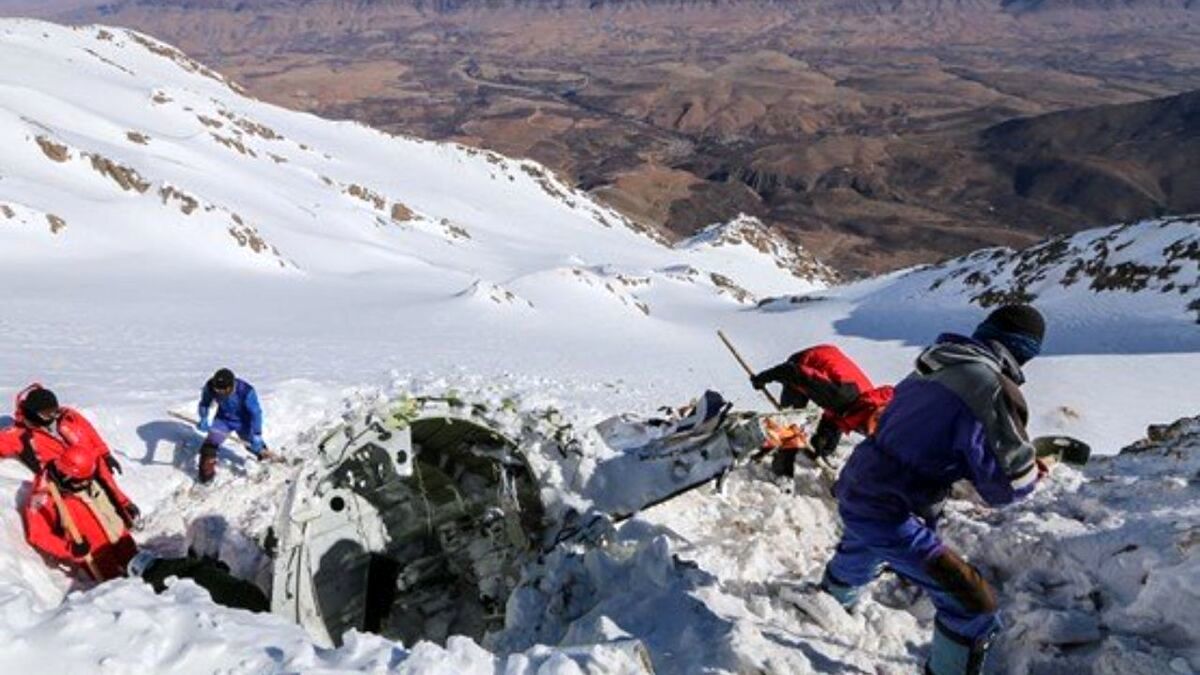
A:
[40,532]
[109,482]
[89,435]
[206,400]
[256,421]
[1000,460]
[782,373]
[256,413]
[10,442]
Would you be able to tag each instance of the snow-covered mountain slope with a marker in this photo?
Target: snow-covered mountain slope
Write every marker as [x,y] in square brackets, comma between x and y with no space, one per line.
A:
[162,158]
[1121,305]
[156,224]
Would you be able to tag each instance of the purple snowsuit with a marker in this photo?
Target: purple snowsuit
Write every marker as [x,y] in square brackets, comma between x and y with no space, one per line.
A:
[960,415]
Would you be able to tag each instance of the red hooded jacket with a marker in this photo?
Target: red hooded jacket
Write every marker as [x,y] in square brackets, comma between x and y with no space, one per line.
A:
[830,379]
[36,446]
[99,515]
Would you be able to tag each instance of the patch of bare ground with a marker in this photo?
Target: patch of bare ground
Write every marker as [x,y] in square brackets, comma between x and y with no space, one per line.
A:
[401,213]
[55,151]
[56,223]
[126,177]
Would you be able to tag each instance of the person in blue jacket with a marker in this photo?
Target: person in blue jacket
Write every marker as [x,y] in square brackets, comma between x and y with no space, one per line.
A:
[960,415]
[238,411]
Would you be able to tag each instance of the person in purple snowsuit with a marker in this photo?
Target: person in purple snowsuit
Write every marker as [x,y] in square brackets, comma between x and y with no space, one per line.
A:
[959,415]
[238,412]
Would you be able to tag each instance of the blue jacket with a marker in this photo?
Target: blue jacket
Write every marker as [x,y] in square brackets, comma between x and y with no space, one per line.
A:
[238,411]
[960,415]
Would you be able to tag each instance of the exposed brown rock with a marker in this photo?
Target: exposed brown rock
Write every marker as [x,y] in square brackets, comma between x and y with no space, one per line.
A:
[454,230]
[54,151]
[248,237]
[129,179]
[730,286]
[187,203]
[234,144]
[401,213]
[56,224]
[367,195]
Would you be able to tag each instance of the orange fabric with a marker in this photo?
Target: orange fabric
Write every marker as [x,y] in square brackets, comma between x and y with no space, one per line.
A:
[46,531]
[783,436]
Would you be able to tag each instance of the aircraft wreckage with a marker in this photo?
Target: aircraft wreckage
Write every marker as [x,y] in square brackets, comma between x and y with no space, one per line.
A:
[414,520]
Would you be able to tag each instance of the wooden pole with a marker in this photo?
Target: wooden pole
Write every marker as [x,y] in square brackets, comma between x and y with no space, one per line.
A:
[746,367]
[72,529]
[824,466]
[193,421]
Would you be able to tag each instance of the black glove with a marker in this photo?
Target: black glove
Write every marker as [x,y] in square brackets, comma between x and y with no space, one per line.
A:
[760,380]
[779,373]
[132,514]
[113,465]
[825,441]
[80,548]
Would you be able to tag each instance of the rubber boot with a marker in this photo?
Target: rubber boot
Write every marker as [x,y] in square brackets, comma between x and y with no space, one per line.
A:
[847,596]
[208,463]
[953,654]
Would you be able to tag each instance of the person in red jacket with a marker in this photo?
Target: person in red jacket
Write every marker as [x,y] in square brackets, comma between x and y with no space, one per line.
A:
[824,375]
[43,430]
[77,514]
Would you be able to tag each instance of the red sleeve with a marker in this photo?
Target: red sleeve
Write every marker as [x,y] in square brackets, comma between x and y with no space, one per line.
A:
[40,527]
[110,484]
[10,442]
[89,434]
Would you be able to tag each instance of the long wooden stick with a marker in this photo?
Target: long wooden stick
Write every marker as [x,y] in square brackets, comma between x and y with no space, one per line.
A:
[193,421]
[72,530]
[746,367]
[823,465]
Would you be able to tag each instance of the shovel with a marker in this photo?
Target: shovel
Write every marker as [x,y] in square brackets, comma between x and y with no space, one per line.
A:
[1063,449]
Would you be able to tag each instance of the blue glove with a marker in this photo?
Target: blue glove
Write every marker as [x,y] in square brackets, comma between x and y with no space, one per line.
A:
[202,425]
[256,445]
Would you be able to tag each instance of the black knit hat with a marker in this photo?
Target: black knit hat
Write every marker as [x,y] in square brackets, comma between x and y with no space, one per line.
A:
[1019,319]
[39,400]
[221,380]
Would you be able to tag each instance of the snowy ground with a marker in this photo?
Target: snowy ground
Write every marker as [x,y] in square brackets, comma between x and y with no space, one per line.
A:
[553,301]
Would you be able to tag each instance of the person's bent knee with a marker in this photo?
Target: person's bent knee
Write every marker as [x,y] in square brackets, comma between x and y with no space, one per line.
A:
[963,582]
